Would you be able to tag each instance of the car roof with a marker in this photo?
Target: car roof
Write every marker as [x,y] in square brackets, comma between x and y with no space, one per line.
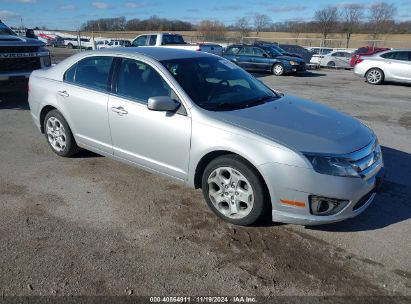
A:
[157,53]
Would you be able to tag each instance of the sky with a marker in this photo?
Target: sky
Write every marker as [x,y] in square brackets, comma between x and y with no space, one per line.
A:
[69,15]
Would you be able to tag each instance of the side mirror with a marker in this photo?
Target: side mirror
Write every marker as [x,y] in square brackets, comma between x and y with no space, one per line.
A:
[162,103]
[265,55]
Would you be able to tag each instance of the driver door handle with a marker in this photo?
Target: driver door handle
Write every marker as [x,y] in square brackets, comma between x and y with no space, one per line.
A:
[119,110]
[63,93]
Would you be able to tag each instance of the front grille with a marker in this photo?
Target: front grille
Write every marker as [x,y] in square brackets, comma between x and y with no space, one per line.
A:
[18,49]
[367,159]
[363,200]
[19,64]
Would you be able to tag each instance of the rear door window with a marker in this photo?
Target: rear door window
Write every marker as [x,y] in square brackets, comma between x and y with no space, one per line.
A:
[91,72]
[153,39]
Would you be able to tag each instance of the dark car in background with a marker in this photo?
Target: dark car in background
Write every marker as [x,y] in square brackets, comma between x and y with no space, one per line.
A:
[364,51]
[275,46]
[263,58]
[299,50]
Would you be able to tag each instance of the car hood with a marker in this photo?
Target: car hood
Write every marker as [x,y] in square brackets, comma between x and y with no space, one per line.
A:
[10,40]
[286,57]
[302,125]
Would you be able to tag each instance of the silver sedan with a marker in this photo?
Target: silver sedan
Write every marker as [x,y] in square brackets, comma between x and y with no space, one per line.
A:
[337,59]
[201,120]
[392,65]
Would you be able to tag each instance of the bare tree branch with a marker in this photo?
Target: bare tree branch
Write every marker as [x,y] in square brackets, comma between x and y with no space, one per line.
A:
[261,22]
[352,15]
[327,19]
[380,14]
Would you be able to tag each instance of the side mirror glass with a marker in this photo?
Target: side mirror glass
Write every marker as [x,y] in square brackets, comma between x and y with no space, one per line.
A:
[162,103]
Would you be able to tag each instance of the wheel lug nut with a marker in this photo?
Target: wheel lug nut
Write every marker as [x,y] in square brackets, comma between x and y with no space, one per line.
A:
[226,186]
[236,193]
[226,193]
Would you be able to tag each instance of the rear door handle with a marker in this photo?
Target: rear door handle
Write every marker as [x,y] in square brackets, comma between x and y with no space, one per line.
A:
[63,93]
[119,110]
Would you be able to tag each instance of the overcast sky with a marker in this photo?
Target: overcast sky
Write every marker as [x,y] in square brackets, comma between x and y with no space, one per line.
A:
[62,14]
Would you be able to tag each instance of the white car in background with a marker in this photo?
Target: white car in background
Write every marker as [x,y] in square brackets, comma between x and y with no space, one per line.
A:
[318,54]
[392,65]
[337,59]
[101,43]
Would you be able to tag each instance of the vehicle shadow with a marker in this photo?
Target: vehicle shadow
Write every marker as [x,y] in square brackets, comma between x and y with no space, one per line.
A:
[307,74]
[397,84]
[391,205]
[86,154]
[16,100]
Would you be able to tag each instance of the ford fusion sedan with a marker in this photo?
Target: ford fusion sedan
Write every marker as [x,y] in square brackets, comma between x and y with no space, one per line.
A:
[392,65]
[263,58]
[201,120]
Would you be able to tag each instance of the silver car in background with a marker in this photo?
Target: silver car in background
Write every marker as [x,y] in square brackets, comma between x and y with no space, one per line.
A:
[201,120]
[337,59]
[392,65]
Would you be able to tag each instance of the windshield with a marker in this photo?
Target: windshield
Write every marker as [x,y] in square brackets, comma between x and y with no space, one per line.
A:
[4,30]
[217,84]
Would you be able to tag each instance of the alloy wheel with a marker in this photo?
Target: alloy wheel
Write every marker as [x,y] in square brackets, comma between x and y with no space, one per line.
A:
[230,192]
[56,134]
[374,76]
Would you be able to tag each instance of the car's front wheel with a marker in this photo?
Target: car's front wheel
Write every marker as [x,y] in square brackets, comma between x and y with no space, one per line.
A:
[278,69]
[374,76]
[233,190]
[58,134]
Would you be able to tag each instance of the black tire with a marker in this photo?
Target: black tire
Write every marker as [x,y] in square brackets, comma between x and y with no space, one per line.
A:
[277,71]
[331,64]
[260,205]
[71,147]
[374,80]
[70,46]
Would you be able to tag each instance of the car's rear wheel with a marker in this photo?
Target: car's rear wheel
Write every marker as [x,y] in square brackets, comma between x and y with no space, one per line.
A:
[374,76]
[331,64]
[278,69]
[70,46]
[233,190]
[58,134]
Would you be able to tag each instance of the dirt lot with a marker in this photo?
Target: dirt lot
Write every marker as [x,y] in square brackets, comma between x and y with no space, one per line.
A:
[92,226]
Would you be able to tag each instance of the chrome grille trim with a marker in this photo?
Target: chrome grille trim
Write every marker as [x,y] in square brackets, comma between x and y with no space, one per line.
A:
[368,160]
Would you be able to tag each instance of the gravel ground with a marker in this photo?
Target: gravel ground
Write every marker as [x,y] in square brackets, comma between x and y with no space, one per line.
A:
[91,226]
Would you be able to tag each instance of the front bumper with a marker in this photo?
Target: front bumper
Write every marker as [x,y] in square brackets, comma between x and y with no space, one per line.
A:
[297,184]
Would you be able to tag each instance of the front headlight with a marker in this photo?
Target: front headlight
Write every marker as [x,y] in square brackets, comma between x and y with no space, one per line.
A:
[294,62]
[332,165]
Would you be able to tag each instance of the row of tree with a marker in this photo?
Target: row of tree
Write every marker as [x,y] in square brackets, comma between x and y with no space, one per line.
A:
[121,24]
[374,20]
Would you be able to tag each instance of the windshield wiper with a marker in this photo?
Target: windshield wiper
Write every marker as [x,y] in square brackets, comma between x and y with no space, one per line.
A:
[258,101]
[222,106]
